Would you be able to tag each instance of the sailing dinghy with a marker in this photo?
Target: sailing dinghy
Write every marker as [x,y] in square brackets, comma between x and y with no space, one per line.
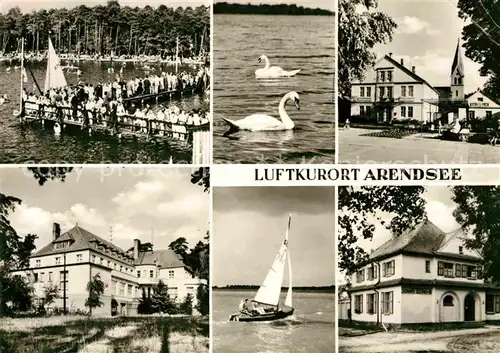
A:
[269,292]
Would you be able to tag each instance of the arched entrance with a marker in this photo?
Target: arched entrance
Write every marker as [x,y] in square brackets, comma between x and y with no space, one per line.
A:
[449,308]
[469,308]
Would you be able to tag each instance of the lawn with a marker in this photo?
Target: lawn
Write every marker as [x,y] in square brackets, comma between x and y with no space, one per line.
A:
[61,334]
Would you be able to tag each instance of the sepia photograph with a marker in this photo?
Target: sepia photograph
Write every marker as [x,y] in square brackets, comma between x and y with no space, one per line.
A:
[419,82]
[418,269]
[259,304]
[104,260]
[274,82]
[113,81]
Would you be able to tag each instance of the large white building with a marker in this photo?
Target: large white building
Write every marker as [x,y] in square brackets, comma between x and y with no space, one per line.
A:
[421,277]
[393,91]
[71,259]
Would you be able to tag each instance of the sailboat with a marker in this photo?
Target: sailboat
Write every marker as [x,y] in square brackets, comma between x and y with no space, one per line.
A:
[269,292]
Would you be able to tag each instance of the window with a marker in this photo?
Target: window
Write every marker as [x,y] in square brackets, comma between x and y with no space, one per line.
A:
[389,76]
[387,298]
[50,276]
[471,272]
[358,304]
[389,92]
[464,271]
[109,263]
[488,113]
[382,92]
[171,274]
[370,303]
[388,269]
[403,112]
[58,260]
[403,91]
[479,270]
[122,288]
[480,99]
[371,273]
[368,91]
[456,93]
[382,76]
[458,270]
[460,250]
[445,269]
[448,301]
[410,112]
[121,268]
[490,303]
[63,279]
[139,273]
[37,263]
[360,276]
[410,91]
[427,266]
[129,290]
[497,304]
[35,277]
[368,110]
[151,273]
[79,258]
[93,258]
[42,277]
[114,265]
[101,260]
[172,293]
[361,91]
[472,114]
[362,110]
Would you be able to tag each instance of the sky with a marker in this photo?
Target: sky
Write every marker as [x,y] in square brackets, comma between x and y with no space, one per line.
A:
[439,208]
[426,37]
[135,202]
[322,4]
[30,5]
[250,223]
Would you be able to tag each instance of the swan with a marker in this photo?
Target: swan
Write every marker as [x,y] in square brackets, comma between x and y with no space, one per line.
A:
[57,129]
[262,122]
[273,71]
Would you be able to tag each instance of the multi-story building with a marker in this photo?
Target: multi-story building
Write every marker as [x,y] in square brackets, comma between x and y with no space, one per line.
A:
[423,276]
[71,259]
[392,91]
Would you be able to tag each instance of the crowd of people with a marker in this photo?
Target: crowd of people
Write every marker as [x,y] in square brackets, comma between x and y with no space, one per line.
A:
[111,104]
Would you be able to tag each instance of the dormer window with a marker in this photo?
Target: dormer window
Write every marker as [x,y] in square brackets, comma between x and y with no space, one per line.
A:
[480,99]
[61,245]
[461,250]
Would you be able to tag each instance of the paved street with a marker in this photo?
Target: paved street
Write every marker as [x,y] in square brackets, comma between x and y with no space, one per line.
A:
[415,149]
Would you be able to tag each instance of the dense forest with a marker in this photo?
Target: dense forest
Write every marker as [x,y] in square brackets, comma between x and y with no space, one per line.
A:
[109,29]
[264,9]
[324,289]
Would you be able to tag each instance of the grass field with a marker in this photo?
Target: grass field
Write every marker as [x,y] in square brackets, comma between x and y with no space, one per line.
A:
[104,335]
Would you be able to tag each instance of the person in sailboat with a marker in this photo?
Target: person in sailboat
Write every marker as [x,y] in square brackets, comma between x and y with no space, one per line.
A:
[243,306]
[257,309]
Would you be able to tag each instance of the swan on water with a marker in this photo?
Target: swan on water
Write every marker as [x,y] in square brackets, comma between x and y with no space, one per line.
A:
[262,122]
[57,129]
[273,71]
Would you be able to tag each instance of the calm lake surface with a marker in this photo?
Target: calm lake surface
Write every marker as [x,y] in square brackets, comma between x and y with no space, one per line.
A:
[291,42]
[31,143]
[310,329]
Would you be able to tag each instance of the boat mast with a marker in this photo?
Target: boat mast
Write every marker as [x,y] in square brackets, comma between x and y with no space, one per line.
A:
[22,78]
[177,55]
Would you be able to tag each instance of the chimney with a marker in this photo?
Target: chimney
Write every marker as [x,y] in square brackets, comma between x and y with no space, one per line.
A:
[413,69]
[403,62]
[56,231]
[137,244]
[390,54]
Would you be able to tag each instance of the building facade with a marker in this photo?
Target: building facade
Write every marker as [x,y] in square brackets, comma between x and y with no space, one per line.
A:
[391,91]
[425,276]
[71,259]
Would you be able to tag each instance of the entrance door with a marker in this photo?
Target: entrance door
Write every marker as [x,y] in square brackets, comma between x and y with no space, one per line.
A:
[469,308]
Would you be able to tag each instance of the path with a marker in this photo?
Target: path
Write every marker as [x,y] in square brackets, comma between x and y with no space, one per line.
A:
[414,149]
[399,341]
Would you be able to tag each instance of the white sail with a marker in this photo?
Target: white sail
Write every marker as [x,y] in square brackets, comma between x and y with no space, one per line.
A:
[288,299]
[54,77]
[269,291]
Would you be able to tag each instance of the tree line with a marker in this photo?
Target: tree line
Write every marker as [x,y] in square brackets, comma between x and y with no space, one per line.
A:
[265,9]
[109,29]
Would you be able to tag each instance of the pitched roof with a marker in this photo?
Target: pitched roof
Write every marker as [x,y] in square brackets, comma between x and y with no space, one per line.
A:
[82,239]
[426,238]
[457,61]
[409,72]
[163,258]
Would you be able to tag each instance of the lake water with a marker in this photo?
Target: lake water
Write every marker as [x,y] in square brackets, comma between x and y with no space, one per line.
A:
[291,42]
[310,329]
[20,144]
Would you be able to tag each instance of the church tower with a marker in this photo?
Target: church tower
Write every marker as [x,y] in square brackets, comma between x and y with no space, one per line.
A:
[457,75]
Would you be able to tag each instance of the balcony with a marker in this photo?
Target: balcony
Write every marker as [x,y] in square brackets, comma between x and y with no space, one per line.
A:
[362,99]
[124,276]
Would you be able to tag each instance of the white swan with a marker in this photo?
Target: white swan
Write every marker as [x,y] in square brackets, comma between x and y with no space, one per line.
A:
[262,122]
[273,71]
[57,129]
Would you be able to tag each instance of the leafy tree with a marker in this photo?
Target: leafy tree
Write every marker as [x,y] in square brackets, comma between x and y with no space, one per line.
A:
[478,211]
[50,294]
[179,246]
[360,207]
[160,300]
[16,292]
[203,299]
[145,305]
[43,174]
[482,39]
[95,288]
[358,33]
[186,307]
[201,177]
